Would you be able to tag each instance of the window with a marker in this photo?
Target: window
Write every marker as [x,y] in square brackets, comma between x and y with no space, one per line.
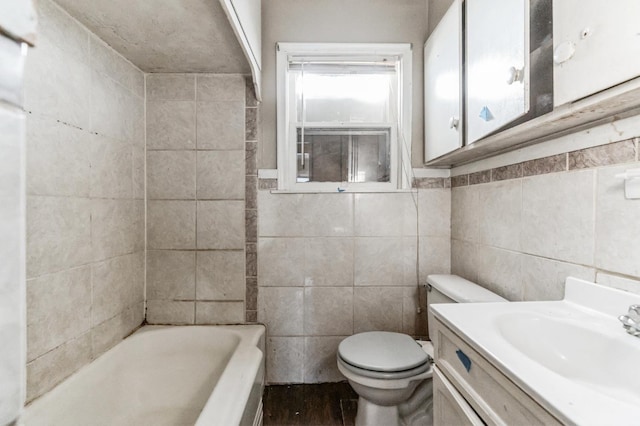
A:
[344,117]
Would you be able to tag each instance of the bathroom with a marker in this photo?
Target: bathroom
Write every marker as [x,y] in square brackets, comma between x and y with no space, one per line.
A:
[152,193]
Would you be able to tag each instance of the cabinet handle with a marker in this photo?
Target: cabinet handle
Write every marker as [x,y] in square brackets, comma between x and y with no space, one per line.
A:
[515,74]
[454,122]
[464,359]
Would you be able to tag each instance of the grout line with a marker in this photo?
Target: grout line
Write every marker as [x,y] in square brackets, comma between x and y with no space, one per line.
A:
[144,191]
[195,260]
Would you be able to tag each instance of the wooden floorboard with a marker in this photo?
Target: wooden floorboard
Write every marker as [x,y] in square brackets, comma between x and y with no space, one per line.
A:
[326,404]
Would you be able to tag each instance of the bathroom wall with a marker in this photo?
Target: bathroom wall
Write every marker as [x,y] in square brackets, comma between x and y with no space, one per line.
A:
[354,21]
[196,197]
[331,265]
[85,204]
[520,229]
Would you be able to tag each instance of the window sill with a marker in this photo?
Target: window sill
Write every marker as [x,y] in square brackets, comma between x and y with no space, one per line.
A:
[346,191]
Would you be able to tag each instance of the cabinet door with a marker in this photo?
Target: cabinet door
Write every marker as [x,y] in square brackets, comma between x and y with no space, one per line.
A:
[596,46]
[449,407]
[442,83]
[497,51]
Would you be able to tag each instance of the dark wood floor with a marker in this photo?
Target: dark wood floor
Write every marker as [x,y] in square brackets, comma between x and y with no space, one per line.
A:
[326,404]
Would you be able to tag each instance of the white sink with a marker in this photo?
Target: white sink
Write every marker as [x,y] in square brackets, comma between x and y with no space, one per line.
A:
[572,356]
[581,353]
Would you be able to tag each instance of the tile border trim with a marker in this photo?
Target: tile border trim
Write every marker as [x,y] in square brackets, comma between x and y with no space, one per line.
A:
[613,153]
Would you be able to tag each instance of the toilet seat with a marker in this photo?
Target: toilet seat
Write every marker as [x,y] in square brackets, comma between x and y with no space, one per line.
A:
[383,355]
[385,375]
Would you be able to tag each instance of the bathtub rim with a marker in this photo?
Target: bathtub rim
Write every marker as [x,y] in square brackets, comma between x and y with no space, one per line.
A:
[249,353]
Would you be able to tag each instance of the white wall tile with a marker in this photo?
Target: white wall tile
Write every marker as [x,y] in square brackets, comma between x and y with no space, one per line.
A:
[58,234]
[59,309]
[221,175]
[328,311]
[285,360]
[219,312]
[385,261]
[500,272]
[171,125]
[220,275]
[434,212]
[327,262]
[464,213]
[107,61]
[45,372]
[170,312]
[557,216]
[617,224]
[320,359]
[108,334]
[58,158]
[464,260]
[220,87]
[220,125]
[621,283]
[171,224]
[171,275]
[543,279]
[377,308]
[328,215]
[113,228]
[281,309]
[220,225]
[434,257]
[386,215]
[117,284]
[281,261]
[171,175]
[49,91]
[500,214]
[112,108]
[171,87]
[111,168]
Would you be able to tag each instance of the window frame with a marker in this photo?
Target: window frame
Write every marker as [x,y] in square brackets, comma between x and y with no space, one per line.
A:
[285,137]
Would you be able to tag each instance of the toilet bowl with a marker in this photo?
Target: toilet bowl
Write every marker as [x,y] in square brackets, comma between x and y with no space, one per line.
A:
[391,372]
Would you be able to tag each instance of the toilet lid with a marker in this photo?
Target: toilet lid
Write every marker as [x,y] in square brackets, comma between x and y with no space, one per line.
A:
[382,351]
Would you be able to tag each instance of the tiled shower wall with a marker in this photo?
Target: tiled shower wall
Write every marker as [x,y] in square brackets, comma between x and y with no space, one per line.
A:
[331,265]
[196,198]
[520,230]
[85,205]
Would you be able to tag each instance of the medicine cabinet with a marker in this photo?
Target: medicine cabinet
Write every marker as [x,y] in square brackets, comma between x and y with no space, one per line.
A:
[501,74]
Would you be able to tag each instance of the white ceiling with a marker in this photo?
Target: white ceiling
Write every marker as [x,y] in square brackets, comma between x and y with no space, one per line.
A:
[165,35]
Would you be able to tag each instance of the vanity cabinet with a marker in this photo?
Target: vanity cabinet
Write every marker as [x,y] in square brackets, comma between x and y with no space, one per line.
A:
[468,388]
[597,46]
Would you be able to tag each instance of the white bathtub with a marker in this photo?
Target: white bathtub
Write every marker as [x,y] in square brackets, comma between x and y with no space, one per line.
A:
[202,375]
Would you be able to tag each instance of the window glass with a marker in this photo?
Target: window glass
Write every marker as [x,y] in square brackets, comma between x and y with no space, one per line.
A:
[355,98]
[343,155]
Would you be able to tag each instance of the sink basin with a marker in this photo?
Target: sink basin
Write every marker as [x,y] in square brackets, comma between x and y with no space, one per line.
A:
[575,351]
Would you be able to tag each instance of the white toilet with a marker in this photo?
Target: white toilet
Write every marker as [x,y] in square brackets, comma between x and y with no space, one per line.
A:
[391,372]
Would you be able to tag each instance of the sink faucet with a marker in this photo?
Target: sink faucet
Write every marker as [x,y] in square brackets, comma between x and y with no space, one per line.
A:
[631,321]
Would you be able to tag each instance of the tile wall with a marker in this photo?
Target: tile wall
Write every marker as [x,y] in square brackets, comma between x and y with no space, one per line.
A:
[85,204]
[519,230]
[196,198]
[331,265]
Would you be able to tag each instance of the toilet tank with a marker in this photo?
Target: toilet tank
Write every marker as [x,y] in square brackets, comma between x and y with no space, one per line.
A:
[455,289]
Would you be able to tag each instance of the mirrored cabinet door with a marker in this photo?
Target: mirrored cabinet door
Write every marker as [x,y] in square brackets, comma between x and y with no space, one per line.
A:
[442,85]
[497,53]
[596,46]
